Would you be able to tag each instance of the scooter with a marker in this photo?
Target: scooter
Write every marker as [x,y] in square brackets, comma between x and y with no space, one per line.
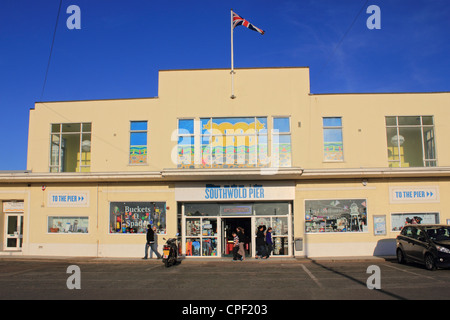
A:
[170,252]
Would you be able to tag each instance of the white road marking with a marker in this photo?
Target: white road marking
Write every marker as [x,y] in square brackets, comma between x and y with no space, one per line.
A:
[311,276]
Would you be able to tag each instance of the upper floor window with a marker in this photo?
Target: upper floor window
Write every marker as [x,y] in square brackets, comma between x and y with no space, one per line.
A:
[233,143]
[410,141]
[333,145]
[138,142]
[70,147]
[281,142]
[185,146]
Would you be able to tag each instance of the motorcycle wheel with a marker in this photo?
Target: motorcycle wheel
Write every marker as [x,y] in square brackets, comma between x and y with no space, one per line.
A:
[166,263]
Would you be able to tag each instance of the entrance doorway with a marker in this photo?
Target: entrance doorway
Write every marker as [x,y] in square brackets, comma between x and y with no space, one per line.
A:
[13,231]
[206,227]
[228,226]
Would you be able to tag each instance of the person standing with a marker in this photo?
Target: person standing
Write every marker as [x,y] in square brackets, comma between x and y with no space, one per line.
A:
[269,241]
[260,243]
[240,234]
[151,243]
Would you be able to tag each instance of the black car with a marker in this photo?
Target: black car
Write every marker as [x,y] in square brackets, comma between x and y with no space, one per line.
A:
[426,244]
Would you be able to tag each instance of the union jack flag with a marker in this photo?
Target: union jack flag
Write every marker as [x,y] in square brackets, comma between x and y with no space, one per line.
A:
[239,21]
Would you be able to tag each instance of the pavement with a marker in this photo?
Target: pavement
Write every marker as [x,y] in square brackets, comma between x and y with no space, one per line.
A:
[202,260]
[195,281]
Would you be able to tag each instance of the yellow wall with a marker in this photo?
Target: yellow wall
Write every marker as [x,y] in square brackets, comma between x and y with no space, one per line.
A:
[259,92]
[206,93]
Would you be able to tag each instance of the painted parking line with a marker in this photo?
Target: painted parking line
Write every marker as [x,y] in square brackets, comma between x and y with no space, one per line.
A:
[154,267]
[311,276]
[410,272]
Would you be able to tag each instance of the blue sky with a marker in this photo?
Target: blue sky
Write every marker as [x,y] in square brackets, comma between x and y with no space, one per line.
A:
[122,44]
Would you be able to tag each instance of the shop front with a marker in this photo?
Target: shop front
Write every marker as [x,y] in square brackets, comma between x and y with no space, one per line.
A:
[211,212]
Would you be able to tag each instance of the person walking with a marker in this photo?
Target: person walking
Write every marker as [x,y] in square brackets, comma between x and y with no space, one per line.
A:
[151,243]
[236,255]
[240,234]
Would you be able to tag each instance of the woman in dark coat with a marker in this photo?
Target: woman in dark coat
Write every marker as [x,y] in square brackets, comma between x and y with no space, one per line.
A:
[261,243]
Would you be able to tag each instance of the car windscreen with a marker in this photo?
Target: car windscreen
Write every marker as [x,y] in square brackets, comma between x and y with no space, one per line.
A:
[439,233]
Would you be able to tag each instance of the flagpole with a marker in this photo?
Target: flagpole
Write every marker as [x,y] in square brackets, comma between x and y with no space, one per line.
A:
[232,58]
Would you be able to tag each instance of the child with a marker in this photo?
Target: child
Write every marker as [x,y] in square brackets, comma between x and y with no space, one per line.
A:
[236,255]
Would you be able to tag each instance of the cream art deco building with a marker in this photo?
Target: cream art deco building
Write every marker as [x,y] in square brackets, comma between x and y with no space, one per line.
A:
[332,174]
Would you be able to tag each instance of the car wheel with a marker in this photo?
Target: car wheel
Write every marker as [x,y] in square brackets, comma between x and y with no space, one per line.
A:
[430,264]
[400,256]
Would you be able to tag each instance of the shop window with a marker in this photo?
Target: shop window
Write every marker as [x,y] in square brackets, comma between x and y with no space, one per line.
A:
[133,217]
[411,141]
[333,145]
[281,142]
[138,142]
[343,215]
[70,147]
[201,237]
[64,224]
[399,220]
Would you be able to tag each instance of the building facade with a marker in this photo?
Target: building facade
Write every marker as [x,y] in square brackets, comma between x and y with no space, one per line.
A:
[332,174]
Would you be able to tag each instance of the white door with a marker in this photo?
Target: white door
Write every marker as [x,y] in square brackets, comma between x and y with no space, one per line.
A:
[13,231]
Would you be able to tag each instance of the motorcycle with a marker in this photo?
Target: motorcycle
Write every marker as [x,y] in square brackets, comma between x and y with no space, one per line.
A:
[170,252]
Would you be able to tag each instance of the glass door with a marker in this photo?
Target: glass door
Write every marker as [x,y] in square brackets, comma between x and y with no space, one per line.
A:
[14,231]
[280,233]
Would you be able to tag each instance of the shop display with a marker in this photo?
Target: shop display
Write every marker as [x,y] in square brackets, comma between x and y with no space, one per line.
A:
[343,215]
[398,220]
[193,247]
[68,224]
[133,217]
[192,228]
[205,232]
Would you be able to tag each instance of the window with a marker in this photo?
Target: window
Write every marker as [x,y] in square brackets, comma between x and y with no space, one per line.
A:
[201,236]
[138,142]
[68,224]
[281,142]
[70,147]
[410,141]
[398,220]
[333,146]
[222,142]
[343,215]
[233,142]
[186,146]
[133,217]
